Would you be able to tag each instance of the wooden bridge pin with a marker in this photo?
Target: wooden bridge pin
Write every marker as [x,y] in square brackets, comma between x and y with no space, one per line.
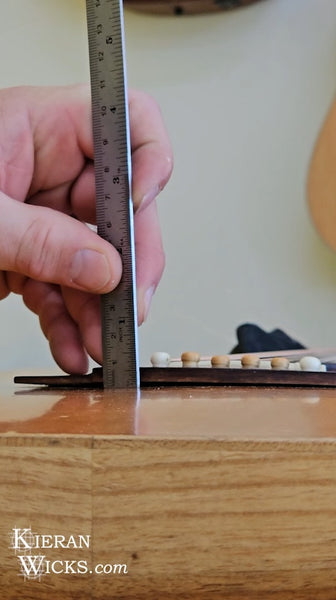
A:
[190,359]
[250,361]
[220,361]
[160,359]
[280,363]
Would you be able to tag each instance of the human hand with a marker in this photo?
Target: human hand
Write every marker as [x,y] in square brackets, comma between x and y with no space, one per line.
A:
[47,195]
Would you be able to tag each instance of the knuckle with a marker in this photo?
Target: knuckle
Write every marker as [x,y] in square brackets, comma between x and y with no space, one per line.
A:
[15,282]
[4,288]
[34,257]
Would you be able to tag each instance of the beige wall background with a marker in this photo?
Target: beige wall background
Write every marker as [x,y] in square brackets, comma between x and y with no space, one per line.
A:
[243,95]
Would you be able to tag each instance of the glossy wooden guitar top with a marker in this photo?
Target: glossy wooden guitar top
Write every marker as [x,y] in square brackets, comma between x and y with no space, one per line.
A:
[203,492]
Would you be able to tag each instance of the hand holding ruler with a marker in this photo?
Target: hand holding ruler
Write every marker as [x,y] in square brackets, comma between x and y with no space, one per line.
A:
[114,207]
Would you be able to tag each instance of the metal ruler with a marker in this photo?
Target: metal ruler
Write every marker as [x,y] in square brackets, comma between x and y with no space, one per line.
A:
[114,206]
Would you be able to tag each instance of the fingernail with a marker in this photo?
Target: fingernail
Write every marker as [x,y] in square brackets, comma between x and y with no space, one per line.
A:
[90,270]
[149,197]
[148,299]
[144,302]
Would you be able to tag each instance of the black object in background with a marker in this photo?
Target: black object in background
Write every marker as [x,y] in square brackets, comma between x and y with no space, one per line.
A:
[251,338]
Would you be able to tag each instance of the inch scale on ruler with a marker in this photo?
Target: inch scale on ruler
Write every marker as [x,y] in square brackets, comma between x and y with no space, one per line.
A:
[113,186]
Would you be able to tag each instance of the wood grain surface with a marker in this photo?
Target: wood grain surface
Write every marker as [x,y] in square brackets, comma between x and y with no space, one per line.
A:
[211,493]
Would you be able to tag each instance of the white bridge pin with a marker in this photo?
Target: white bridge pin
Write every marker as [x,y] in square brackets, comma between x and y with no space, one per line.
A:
[310,363]
[160,359]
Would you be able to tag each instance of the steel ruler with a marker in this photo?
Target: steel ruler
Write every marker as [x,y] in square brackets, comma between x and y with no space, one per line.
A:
[114,208]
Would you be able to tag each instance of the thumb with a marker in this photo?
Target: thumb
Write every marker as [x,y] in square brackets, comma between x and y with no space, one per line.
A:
[47,245]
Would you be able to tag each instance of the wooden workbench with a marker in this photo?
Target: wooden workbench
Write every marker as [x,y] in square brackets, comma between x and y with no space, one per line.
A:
[204,493]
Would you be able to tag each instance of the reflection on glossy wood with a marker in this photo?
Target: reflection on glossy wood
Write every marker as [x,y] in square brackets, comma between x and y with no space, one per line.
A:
[72,411]
[256,413]
[203,492]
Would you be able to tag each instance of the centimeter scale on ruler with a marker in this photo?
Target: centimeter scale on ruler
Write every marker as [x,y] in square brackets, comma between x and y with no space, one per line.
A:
[114,206]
